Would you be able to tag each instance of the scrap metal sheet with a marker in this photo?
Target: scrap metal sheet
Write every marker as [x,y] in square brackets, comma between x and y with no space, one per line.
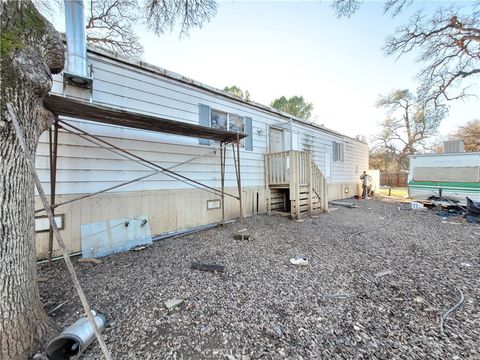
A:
[109,237]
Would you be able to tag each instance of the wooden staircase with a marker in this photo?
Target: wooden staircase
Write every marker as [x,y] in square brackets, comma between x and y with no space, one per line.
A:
[294,184]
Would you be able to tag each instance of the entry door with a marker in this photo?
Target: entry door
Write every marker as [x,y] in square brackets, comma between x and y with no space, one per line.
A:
[280,165]
[277,140]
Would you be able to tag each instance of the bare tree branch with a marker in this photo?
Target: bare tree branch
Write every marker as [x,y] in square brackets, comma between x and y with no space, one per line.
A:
[346,8]
[395,7]
[111,23]
[410,122]
[470,134]
[47,7]
[163,15]
[449,45]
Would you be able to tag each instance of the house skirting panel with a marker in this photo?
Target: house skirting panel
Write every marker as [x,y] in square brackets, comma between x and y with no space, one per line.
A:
[167,210]
[338,191]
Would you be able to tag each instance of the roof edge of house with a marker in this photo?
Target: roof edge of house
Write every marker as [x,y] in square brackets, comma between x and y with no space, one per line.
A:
[183,79]
[475,153]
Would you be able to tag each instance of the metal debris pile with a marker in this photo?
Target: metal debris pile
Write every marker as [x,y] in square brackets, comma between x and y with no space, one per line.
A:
[473,211]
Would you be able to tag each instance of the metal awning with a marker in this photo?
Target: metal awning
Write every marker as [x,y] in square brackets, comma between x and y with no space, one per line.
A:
[61,105]
[80,109]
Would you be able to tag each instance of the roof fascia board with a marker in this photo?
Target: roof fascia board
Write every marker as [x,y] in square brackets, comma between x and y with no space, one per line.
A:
[182,79]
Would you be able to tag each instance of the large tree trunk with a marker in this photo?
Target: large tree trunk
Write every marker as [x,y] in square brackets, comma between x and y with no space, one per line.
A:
[31,50]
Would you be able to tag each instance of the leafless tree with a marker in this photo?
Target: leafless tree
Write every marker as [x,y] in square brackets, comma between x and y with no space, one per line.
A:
[383,159]
[470,134]
[111,23]
[409,123]
[449,45]
[346,8]
[395,7]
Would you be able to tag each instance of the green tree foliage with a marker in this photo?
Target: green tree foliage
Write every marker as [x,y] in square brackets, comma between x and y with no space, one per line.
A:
[296,105]
[235,90]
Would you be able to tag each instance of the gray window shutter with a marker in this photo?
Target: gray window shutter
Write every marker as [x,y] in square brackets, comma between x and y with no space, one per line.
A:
[249,132]
[204,120]
[334,150]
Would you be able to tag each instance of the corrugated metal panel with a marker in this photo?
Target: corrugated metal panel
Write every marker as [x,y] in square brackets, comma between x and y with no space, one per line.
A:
[113,236]
[453,146]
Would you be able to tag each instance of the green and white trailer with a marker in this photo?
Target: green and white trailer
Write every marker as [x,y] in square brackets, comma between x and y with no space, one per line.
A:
[453,176]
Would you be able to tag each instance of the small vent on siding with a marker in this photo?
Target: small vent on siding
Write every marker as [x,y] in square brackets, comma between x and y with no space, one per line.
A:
[213,204]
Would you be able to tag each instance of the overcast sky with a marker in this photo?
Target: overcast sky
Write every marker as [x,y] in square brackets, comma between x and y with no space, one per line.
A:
[300,48]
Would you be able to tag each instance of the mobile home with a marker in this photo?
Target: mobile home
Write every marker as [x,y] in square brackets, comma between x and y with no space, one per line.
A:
[281,157]
[450,175]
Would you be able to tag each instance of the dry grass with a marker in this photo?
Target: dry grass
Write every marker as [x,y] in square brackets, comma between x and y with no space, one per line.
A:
[401,193]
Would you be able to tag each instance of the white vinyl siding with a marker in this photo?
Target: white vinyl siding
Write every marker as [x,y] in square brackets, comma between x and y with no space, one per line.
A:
[84,167]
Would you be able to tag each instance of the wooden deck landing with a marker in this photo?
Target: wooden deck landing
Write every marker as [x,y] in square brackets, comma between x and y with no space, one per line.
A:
[294,184]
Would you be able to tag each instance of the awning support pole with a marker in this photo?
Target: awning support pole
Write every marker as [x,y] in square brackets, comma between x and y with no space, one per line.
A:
[236,162]
[222,173]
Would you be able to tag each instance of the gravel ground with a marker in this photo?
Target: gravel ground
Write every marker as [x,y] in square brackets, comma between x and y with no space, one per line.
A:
[264,307]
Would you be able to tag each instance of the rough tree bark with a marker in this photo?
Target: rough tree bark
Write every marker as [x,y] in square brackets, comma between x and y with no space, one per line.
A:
[31,50]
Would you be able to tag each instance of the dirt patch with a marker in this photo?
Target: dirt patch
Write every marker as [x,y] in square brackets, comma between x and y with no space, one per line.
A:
[379,294]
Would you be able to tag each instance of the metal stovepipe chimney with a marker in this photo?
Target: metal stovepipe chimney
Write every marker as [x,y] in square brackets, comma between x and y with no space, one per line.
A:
[76,72]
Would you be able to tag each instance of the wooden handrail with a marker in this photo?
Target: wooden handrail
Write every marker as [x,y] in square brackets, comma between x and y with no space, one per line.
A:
[278,165]
[319,185]
[296,169]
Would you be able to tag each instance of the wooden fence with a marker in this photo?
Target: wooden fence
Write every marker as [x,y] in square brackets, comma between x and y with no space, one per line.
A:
[393,179]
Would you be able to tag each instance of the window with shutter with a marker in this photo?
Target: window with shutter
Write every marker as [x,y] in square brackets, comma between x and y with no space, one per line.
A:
[249,132]
[338,151]
[223,120]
